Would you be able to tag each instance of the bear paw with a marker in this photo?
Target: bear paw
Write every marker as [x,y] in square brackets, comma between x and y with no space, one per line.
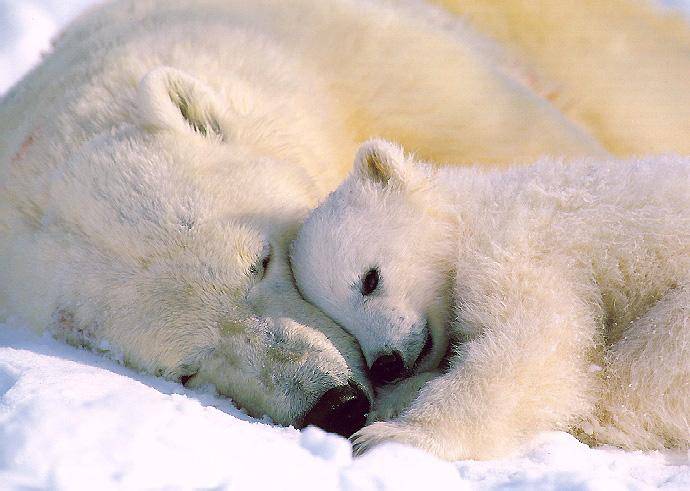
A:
[392,431]
[394,400]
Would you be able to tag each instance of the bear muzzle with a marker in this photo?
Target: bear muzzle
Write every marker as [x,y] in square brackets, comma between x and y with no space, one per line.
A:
[342,410]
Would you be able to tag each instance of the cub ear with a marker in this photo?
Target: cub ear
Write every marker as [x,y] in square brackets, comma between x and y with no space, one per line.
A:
[381,162]
[171,99]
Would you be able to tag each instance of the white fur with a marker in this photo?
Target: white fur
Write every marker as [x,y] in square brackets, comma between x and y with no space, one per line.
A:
[123,221]
[569,288]
[163,148]
[616,67]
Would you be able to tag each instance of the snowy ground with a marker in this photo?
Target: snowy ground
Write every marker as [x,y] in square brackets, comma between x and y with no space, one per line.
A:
[70,419]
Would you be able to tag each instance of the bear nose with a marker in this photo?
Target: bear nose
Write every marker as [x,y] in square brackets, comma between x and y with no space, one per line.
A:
[342,410]
[387,368]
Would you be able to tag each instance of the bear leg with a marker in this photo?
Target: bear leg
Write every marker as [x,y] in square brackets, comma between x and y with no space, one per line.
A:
[646,398]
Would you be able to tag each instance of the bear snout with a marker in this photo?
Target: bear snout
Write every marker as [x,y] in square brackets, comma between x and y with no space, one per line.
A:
[387,368]
[342,410]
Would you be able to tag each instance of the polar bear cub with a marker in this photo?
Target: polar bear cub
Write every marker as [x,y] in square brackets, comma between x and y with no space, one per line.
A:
[558,295]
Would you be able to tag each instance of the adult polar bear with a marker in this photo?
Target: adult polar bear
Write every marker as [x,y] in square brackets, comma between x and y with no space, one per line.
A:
[154,167]
[618,67]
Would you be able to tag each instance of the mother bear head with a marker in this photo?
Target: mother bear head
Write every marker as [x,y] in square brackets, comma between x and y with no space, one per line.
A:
[164,237]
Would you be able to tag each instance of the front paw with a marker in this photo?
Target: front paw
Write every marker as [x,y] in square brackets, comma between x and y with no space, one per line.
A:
[394,400]
[391,431]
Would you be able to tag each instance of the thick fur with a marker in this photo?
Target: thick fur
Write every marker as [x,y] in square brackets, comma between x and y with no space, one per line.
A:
[562,289]
[155,158]
[165,149]
[617,67]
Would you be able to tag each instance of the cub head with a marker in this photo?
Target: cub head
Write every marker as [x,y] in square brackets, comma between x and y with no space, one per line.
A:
[375,257]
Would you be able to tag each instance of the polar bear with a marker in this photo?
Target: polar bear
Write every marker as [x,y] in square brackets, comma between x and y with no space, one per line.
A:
[155,165]
[561,293]
[618,67]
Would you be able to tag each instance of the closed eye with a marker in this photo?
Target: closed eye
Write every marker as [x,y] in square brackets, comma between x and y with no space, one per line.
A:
[260,267]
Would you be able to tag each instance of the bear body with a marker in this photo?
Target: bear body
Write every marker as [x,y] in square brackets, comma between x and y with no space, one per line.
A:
[560,291]
[155,166]
[616,67]
[157,163]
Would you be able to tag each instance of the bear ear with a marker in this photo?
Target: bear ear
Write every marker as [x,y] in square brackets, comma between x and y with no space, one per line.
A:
[171,99]
[381,162]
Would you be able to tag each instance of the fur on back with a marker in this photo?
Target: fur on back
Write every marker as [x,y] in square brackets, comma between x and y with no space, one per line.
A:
[569,303]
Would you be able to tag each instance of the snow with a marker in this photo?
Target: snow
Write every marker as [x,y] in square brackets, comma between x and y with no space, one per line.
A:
[73,419]
[26,28]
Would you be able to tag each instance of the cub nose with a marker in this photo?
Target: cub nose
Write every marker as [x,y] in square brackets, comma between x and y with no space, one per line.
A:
[342,410]
[387,368]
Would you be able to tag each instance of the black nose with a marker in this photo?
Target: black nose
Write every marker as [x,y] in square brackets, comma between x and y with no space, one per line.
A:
[342,410]
[387,368]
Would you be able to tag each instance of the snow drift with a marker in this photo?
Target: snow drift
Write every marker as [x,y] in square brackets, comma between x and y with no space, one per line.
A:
[72,419]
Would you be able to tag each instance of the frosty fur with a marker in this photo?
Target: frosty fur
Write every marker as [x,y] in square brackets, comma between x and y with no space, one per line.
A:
[166,150]
[561,288]
[617,68]
[163,150]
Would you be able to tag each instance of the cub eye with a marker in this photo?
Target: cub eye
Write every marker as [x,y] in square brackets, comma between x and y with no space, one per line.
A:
[370,282]
[259,268]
